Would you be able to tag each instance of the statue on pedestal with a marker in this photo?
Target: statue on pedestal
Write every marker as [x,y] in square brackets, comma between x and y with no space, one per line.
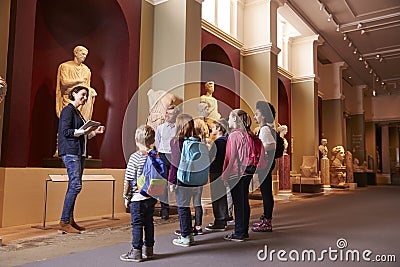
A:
[3,89]
[212,104]
[69,75]
[159,101]
[324,162]
[284,161]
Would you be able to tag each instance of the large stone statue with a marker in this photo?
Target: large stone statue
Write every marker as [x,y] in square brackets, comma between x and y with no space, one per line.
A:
[3,89]
[73,73]
[212,104]
[159,101]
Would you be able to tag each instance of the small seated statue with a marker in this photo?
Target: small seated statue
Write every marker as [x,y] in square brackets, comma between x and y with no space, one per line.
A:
[309,167]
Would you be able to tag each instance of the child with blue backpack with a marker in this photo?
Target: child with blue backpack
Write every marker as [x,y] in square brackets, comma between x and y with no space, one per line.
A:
[141,205]
[186,183]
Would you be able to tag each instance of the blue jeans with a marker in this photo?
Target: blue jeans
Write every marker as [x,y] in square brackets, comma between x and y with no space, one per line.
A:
[75,165]
[166,158]
[198,209]
[183,197]
[241,206]
[142,218]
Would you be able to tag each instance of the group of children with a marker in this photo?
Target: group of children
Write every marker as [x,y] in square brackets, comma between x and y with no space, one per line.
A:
[227,153]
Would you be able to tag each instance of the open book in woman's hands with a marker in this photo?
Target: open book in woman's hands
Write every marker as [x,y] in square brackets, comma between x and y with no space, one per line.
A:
[89,124]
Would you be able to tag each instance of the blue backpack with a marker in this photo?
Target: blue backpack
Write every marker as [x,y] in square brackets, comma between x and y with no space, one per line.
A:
[152,182]
[194,164]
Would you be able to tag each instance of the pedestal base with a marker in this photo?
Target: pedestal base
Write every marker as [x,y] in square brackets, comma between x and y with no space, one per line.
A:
[284,172]
[307,188]
[58,163]
[325,179]
[360,178]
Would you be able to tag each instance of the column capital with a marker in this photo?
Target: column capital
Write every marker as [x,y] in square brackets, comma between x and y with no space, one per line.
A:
[246,51]
[156,2]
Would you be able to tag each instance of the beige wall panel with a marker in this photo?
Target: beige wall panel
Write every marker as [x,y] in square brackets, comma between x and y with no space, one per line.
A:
[370,142]
[24,190]
[332,122]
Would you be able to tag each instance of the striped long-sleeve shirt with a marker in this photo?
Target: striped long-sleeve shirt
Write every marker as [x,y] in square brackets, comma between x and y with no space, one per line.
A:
[133,170]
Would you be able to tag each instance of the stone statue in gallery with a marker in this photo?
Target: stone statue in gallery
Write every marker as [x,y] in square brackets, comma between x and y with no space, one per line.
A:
[159,101]
[338,170]
[323,148]
[283,130]
[212,104]
[73,73]
[3,89]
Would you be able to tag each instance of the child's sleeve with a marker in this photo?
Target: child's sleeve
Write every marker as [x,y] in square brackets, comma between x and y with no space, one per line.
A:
[130,176]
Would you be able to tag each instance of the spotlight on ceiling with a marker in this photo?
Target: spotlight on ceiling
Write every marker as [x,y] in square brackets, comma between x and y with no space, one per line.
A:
[370,71]
[381,59]
[355,51]
[344,37]
[362,31]
[330,17]
[321,6]
[338,28]
[359,25]
[350,44]
[360,58]
[373,92]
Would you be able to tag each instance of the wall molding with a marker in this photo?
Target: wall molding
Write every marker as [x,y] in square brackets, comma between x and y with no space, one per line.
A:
[260,49]
[306,78]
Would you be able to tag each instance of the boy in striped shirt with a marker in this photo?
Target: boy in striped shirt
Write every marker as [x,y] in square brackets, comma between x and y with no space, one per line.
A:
[141,207]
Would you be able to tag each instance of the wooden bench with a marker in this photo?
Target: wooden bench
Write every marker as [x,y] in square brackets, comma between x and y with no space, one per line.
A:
[55,178]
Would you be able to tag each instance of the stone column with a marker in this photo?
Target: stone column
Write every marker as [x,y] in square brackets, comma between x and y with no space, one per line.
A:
[259,55]
[177,40]
[385,149]
[304,99]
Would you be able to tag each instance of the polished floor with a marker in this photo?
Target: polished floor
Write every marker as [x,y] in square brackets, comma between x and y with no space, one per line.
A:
[342,228]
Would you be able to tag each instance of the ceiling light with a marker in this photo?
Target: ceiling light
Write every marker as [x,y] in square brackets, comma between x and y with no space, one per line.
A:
[381,59]
[377,79]
[360,58]
[349,77]
[344,37]
[366,66]
[378,56]
[350,44]
[359,25]
[355,51]
[321,6]
[330,17]
[383,83]
[362,31]
[338,28]
[373,92]
[370,71]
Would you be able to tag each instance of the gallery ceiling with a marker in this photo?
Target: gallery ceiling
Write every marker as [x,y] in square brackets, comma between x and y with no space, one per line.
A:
[363,33]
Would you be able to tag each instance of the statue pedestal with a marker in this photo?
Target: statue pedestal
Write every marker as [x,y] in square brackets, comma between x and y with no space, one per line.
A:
[325,179]
[284,172]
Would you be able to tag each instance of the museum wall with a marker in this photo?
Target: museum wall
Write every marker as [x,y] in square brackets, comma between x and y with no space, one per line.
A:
[43,35]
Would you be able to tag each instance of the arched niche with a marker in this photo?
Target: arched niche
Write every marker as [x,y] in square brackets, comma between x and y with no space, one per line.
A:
[101,27]
[226,95]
